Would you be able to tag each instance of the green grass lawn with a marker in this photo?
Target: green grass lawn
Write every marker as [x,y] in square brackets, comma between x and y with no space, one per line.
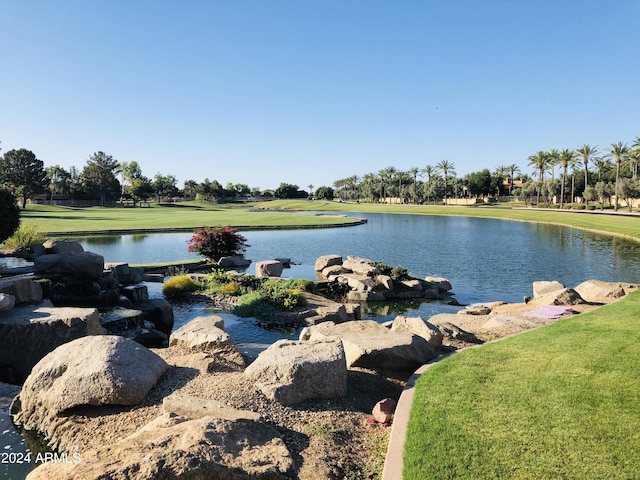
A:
[613,224]
[562,401]
[53,219]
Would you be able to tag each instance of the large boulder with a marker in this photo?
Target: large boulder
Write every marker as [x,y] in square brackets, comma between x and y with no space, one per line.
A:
[541,288]
[173,447]
[291,372]
[359,283]
[327,261]
[368,344]
[7,302]
[233,261]
[94,370]
[596,291]
[29,332]
[23,290]
[85,265]
[63,246]
[418,326]
[360,266]
[440,283]
[159,312]
[269,268]
[202,334]
[564,296]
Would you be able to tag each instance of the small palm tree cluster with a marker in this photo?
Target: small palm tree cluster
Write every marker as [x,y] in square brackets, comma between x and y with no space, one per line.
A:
[625,159]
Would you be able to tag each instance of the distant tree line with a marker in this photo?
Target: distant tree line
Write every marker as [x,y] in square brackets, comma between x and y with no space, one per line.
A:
[587,173]
[106,181]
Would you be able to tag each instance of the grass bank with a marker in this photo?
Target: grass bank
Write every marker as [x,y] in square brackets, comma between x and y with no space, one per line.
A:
[184,216]
[557,402]
[620,225]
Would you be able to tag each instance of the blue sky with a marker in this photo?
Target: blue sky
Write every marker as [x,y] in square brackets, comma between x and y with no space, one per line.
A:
[311,91]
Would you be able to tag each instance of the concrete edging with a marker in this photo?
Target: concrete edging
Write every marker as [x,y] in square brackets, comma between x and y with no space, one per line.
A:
[393,462]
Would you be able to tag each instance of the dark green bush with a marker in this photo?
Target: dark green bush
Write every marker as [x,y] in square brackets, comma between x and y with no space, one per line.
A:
[9,214]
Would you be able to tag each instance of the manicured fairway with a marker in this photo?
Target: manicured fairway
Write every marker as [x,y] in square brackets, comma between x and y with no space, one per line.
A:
[177,216]
[558,402]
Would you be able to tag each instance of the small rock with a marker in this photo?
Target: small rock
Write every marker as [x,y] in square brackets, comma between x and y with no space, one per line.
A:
[383,410]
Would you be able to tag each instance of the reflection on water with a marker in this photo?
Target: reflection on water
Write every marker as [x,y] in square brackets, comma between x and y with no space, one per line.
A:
[102,240]
[16,461]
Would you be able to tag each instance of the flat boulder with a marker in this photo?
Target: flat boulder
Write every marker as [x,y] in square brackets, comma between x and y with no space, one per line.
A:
[63,246]
[596,291]
[442,284]
[202,334]
[174,447]
[94,370]
[359,283]
[291,372]
[23,290]
[368,344]
[327,261]
[29,332]
[541,288]
[85,265]
[360,266]
[233,261]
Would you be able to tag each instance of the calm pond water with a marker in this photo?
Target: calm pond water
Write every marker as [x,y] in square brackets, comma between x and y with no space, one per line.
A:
[485,259]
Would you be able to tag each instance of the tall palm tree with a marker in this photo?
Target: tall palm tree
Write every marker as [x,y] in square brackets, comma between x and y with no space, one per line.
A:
[553,162]
[540,162]
[602,165]
[567,159]
[386,174]
[429,171]
[587,152]
[446,167]
[501,173]
[513,168]
[414,172]
[618,153]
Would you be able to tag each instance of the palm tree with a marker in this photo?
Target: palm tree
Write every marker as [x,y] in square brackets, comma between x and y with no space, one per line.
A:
[540,161]
[415,171]
[310,187]
[429,171]
[567,158]
[602,165]
[385,176]
[501,173]
[553,162]
[513,168]
[587,152]
[446,167]
[618,153]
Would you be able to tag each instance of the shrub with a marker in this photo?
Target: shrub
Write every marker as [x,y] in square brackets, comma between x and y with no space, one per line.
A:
[217,242]
[25,236]
[179,285]
[399,273]
[9,214]
[283,294]
[253,304]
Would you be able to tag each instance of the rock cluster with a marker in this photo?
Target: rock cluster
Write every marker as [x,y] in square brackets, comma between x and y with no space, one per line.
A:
[58,304]
[367,283]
